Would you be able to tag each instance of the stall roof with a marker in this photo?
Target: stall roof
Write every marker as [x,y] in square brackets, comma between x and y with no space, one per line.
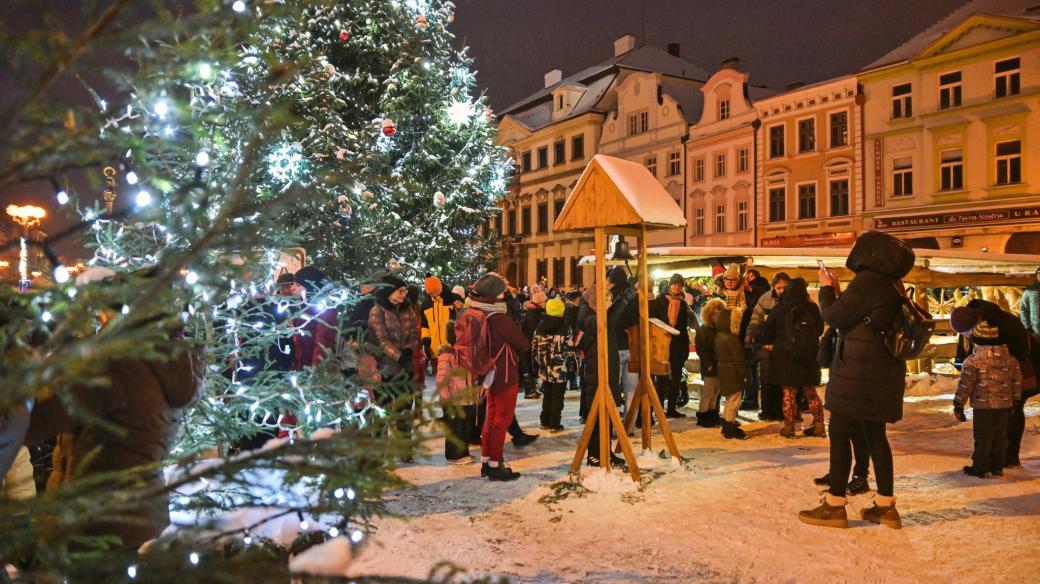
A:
[698,261]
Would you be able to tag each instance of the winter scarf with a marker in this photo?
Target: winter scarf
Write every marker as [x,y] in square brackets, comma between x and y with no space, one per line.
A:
[674,306]
[488,305]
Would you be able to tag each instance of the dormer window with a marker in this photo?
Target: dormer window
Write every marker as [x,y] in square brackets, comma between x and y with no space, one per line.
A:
[724,109]
[559,102]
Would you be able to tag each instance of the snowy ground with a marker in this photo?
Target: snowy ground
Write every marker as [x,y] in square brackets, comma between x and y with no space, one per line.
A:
[728,517]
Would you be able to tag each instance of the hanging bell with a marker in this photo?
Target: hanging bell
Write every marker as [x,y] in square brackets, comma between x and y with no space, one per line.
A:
[621,251]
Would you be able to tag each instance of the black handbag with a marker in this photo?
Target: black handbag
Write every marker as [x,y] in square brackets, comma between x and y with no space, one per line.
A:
[828,347]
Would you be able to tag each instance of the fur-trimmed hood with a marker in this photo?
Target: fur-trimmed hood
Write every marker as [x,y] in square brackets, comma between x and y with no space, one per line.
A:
[710,310]
[728,319]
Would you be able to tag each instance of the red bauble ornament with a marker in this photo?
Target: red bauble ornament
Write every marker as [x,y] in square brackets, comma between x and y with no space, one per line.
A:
[344,36]
[388,128]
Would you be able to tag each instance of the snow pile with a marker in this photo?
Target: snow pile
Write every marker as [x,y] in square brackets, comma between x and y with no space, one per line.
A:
[331,558]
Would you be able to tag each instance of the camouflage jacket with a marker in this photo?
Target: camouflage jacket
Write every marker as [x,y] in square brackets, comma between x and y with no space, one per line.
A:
[991,377]
[553,356]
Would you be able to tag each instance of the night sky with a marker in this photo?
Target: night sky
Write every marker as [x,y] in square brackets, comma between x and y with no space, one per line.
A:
[514,42]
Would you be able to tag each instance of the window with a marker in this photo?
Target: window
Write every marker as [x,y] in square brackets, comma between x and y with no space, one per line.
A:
[674,163]
[651,165]
[720,165]
[950,90]
[558,208]
[902,104]
[698,169]
[742,160]
[807,201]
[742,216]
[724,109]
[698,221]
[902,177]
[1006,78]
[720,218]
[543,157]
[839,129]
[558,277]
[777,204]
[638,123]
[951,170]
[578,147]
[1009,162]
[527,161]
[576,272]
[560,102]
[498,223]
[559,154]
[806,135]
[511,222]
[541,270]
[525,221]
[776,141]
[839,198]
[543,218]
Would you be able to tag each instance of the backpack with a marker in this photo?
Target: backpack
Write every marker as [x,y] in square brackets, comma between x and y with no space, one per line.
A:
[910,331]
[473,343]
[801,334]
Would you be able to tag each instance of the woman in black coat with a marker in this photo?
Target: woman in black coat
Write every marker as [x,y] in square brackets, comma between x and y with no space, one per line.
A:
[792,333]
[865,389]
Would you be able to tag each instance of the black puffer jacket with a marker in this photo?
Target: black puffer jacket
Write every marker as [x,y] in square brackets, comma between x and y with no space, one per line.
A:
[866,381]
[789,367]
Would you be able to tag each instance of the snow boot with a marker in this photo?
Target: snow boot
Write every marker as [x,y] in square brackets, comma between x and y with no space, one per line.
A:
[673,413]
[818,430]
[484,468]
[883,512]
[501,473]
[708,419]
[822,481]
[830,513]
[787,431]
[730,430]
[615,462]
[976,472]
[858,486]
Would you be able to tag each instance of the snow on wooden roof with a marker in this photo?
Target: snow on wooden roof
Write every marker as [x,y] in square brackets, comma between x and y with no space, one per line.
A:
[613,192]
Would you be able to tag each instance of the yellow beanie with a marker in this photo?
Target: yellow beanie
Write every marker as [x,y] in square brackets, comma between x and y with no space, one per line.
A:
[555,307]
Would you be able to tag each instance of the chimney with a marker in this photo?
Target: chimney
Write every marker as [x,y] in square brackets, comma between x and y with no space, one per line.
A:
[794,85]
[553,77]
[731,63]
[673,49]
[624,44]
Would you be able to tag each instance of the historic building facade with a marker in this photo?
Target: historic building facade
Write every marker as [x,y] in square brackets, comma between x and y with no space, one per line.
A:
[952,123]
[810,191]
[635,105]
[721,162]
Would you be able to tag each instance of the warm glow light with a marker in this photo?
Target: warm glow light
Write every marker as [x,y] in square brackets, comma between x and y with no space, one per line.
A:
[26,215]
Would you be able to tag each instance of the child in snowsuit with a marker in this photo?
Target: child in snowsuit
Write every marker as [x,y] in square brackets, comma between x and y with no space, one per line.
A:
[707,412]
[732,363]
[457,400]
[553,361]
[992,379]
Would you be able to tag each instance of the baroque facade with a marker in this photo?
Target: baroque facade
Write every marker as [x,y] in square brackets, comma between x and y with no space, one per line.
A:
[636,105]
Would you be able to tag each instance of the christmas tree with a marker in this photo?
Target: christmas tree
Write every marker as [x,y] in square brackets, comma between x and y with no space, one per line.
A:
[242,132]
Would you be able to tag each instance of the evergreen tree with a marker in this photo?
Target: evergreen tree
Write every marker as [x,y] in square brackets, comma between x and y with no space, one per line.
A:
[243,131]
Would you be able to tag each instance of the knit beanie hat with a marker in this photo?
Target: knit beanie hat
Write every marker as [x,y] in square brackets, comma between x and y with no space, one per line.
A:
[311,278]
[554,307]
[617,276]
[539,297]
[433,285]
[490,285]
[459,291]
[985,334]
[964,319]
[677,279]
[781,277]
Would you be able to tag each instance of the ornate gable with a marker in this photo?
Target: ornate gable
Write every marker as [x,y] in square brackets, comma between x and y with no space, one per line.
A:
[977,30]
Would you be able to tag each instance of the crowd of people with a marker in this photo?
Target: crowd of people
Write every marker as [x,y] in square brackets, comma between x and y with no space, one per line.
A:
[761,345]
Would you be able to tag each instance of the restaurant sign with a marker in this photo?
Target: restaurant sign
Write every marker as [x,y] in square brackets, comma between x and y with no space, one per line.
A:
[821,240]
[960,218]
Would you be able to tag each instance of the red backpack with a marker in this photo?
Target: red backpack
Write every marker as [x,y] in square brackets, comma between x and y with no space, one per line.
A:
[473,343]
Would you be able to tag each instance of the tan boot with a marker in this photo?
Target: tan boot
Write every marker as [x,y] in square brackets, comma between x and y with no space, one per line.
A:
[883,512]
[787,431]
[831,513]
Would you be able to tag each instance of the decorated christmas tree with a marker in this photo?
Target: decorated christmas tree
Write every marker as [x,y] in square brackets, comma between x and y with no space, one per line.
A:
[241,133]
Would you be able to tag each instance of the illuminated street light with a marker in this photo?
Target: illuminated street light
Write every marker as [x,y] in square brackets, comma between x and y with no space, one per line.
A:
[28,216]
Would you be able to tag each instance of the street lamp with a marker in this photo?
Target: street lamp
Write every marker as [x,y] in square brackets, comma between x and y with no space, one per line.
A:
[28,216]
